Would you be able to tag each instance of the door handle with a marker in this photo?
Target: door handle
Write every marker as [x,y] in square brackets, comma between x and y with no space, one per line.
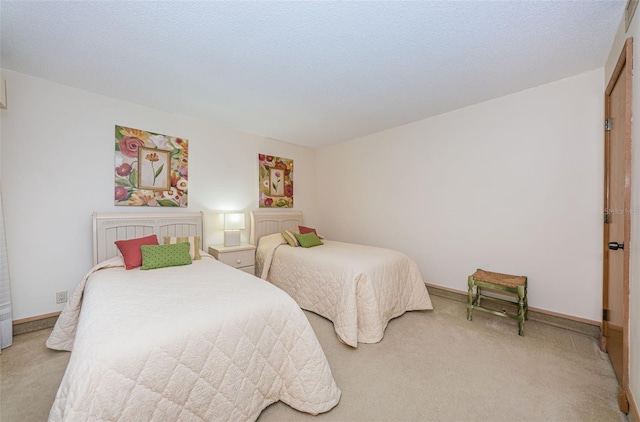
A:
[614,246]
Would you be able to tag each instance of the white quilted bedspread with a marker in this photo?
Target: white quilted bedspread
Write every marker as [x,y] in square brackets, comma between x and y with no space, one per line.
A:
[359,288]
[202,342]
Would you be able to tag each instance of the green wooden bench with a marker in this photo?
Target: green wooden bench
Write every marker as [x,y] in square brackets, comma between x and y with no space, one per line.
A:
[501,283]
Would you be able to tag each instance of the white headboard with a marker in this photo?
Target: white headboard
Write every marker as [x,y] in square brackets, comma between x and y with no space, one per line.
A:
[109,227]
[269,222]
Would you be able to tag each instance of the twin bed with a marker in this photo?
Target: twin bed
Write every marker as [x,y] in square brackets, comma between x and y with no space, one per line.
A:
[207,342]
[359,288]
[198,342]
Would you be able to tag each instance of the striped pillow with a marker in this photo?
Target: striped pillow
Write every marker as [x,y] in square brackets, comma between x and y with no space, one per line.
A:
[194,244]
[290,237]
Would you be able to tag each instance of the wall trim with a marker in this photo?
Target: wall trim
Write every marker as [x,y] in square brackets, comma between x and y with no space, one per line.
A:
[35,323]
[567,322]
[35,318]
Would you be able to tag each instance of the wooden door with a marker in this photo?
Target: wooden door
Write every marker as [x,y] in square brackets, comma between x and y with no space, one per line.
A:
[617,219]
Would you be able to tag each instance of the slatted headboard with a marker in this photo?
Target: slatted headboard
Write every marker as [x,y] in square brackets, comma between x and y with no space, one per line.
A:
[269,222]
[109,227]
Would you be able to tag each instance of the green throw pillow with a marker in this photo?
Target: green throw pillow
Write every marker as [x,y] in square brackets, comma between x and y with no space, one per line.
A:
[308,240]
[161,256]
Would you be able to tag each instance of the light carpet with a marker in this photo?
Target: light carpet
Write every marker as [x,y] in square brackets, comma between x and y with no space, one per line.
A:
[430,366]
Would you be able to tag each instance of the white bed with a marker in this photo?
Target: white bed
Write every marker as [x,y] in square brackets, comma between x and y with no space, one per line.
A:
[359,288]
[199,342]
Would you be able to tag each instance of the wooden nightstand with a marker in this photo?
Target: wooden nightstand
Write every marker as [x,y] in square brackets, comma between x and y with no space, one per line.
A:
[242,257]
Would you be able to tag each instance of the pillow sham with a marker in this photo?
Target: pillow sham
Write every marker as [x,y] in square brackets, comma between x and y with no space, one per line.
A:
[305,230]
[130,250]
[161,256]
[194,241]
[308,240]
[290,237]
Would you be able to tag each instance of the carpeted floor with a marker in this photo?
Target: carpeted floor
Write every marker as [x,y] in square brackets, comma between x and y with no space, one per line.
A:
[430,366]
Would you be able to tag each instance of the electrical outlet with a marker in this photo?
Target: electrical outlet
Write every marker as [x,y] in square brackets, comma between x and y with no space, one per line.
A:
[61,297]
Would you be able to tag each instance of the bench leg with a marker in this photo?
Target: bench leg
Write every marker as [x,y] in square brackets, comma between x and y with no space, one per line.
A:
[526,304]
[470,299]
[521,309]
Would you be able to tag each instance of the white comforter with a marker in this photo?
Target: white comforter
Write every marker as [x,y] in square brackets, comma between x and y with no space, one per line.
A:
[359,288]
[202,342]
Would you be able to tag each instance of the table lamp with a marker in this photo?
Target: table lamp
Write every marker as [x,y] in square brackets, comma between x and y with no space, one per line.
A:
[233,223]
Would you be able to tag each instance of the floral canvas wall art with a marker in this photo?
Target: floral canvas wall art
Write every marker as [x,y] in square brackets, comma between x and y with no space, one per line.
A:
[276,181]
[150,169]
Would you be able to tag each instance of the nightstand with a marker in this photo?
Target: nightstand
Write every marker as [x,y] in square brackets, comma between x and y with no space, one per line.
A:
[242,257]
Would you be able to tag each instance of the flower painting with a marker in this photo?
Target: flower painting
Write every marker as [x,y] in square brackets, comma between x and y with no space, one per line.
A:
[153,169]
[276,181]
[150,169]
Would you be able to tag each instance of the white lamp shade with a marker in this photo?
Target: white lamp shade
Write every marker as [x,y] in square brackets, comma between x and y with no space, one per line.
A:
[234,221]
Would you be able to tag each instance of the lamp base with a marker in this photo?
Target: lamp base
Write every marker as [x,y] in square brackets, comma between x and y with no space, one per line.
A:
[232,238]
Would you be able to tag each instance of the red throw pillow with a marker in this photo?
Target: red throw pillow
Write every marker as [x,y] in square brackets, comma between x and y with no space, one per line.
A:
[305,230]
[131,252]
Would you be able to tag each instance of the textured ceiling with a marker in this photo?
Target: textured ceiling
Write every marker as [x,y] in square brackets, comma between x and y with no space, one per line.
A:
[311,73]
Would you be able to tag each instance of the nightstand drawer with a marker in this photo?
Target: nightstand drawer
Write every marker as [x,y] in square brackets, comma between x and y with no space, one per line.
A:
[238,259]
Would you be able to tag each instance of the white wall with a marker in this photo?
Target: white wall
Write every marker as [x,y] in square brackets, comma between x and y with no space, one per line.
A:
[511,185]
[58,168]
[634,270]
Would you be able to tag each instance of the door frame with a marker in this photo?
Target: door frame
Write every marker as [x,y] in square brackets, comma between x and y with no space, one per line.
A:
[626,58]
